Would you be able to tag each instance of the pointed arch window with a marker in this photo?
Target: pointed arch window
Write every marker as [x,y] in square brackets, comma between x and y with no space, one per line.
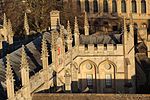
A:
[134,7]
[105,6]
[95,3]
[114,6]
[143,6]
[87,9]
[123,6]
[79,5]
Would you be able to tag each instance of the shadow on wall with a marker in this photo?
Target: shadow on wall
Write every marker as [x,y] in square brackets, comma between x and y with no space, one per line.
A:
[2,93]
[93,86]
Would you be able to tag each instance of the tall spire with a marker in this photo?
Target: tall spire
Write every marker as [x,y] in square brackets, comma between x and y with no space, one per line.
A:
[86,24]
[9,27]
[9,80]
[76,32]
[5,21]
[44,59]
[8,68]
[26,25]
[25,74]
[24,62]
[76,28]
[44,47]
[69,35]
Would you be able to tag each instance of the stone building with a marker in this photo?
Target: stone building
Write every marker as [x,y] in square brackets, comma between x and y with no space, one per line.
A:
[100,61]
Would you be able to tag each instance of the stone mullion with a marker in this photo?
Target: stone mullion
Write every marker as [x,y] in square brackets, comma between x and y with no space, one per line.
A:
[138,6]
[101,5]
[82,5]
[109,6]
[119,6]
[91,6]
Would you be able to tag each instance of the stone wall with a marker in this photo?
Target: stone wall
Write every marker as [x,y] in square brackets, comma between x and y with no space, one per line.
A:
[91,97]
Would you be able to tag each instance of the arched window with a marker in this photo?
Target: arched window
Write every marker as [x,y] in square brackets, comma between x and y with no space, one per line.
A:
[114,6]
[123,6]
[79,5]
[143,6]
[105,6]
[95,6]
[134,7]
[87,9]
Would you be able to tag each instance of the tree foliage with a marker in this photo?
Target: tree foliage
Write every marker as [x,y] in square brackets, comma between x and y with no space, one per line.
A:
[37,12]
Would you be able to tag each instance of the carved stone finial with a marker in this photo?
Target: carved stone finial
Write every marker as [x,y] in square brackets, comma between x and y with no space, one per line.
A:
[26,25]
[44,48]
[86,24]
[8,68]
[69,35]
[5,21]
[24,62]
[9,28]
[76,28]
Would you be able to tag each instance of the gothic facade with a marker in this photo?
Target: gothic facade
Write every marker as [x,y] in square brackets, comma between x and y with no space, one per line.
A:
[102,62]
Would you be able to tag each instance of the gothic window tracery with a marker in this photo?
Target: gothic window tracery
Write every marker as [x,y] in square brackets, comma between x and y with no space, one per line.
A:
[105,6]
[87,8]
[123,6]
[143,6]
[134,6]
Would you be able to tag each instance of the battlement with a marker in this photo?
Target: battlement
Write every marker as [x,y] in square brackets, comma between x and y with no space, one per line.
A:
[101,49]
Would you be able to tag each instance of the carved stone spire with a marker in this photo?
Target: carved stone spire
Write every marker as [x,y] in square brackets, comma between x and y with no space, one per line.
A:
[44,59]
[25,74]
[45,55]
[24,62]
[76,28]
[9,80]
[86,24]
[69,36]
[10,32]
[8,69]
[26,25]
[5,33]
[5,21]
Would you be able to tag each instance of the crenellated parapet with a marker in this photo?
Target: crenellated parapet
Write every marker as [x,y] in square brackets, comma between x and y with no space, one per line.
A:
[101,49]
